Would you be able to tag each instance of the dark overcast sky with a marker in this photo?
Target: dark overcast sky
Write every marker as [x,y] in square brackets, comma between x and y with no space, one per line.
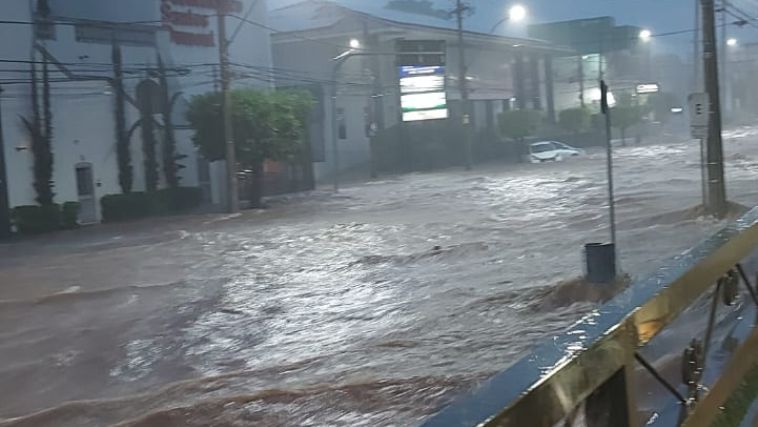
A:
[659,16]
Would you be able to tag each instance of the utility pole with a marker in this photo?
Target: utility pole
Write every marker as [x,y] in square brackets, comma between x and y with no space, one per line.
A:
[460,9]
[376,121]
[606,110]
[714,150]
[722,71]
[232,196]
[335,123]
[5,209]
[696,46]
[600,71]
[581,79]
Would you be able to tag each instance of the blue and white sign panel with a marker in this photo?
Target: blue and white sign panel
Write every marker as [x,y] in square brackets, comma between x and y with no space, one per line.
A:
[422,93]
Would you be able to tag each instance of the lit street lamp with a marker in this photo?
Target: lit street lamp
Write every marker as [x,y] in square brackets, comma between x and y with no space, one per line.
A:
[731,42]
[645,35]
[340,59]
[517,13]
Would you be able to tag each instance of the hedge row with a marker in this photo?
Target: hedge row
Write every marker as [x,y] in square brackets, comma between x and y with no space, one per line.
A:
[123,207]
[34,219]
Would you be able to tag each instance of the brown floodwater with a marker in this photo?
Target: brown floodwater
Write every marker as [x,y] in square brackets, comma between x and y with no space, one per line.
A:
[375,306]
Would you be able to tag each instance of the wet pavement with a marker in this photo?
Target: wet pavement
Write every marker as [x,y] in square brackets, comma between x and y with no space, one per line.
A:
[375,306]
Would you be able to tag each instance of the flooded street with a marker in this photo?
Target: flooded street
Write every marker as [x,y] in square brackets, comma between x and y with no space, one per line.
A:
[375,306]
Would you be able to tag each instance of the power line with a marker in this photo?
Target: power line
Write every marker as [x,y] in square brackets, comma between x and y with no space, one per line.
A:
[74,22]
[239,26]
[293,34]
[738,13]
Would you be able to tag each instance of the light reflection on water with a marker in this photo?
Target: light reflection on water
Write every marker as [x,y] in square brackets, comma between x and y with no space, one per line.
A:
[373,308]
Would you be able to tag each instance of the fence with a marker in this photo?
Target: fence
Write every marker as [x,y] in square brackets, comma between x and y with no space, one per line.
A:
[589,372]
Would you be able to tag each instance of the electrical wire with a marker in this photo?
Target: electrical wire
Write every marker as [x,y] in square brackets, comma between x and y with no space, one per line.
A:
[736,11]
[291,33]
[241,23]
[77,22]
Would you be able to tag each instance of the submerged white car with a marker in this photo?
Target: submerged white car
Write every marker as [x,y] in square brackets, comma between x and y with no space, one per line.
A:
[552,151]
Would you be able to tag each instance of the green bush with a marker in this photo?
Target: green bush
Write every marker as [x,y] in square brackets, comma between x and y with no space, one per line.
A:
[32,219]
[123,207]
[182,198]
[70,215]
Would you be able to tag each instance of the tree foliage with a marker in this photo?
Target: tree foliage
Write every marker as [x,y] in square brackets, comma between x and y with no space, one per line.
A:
[575,120]
[40,129]
[626,114]
[265,125]
[519,124]
[147,96]
[123,153]
[170,158]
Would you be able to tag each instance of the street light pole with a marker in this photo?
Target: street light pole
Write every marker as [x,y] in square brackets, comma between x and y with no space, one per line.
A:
[696,45]
[606,110]
[232,196]
[5,220]
[717,204]
[722,70]
[465,118]
[338,61]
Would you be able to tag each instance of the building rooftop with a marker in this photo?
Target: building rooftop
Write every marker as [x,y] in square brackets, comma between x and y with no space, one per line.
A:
[310,15]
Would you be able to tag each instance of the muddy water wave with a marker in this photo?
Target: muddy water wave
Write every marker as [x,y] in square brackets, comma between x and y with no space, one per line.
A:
[376,307]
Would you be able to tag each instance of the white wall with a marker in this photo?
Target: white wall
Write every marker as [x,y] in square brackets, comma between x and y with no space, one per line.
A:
[301,62]
[15,44]
[83,118]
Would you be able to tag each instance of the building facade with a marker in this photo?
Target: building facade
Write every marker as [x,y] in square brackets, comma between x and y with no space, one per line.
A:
[71,50]
[503,73]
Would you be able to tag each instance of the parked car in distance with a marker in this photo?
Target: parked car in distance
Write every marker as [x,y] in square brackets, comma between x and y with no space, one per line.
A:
[552,151]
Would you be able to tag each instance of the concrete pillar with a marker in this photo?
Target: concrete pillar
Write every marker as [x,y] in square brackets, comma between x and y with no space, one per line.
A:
[534,80]
[549,88]
[519,83]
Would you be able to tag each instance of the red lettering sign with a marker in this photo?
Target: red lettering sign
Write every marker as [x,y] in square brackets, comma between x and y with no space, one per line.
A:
[188,18]
[193,39]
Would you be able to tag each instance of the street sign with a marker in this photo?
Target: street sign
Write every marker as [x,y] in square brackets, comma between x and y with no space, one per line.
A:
[604,97]
[422,93]
[699,106]
[421,72]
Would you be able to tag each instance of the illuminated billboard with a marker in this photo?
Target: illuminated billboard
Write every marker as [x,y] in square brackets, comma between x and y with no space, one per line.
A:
[422,93]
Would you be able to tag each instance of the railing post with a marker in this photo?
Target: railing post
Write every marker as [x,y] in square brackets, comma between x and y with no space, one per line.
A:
[609,404]
[613,403]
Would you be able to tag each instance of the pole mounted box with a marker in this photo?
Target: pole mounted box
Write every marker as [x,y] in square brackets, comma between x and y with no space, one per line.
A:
[699,107]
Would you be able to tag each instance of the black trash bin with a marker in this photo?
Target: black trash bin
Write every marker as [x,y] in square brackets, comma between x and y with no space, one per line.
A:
[600,262]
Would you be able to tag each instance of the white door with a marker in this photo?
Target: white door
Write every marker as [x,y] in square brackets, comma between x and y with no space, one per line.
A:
[85,186]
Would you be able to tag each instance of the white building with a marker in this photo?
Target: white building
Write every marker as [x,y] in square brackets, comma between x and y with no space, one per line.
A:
[77,39]
[503,73]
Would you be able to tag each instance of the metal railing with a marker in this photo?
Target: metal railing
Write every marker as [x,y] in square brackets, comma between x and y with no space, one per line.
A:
[593,366]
